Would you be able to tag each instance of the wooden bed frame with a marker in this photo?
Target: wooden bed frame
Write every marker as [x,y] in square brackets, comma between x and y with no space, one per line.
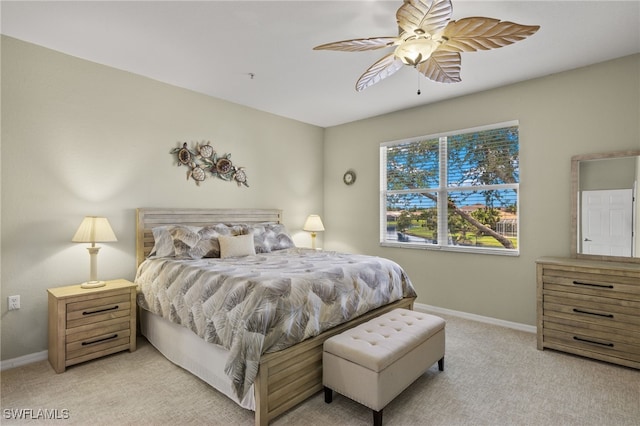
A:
[287,377]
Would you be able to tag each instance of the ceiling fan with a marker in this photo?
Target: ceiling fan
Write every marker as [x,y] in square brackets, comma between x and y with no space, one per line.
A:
[430,42]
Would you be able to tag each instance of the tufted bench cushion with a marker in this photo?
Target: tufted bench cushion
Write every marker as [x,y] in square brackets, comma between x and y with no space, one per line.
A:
[375,361]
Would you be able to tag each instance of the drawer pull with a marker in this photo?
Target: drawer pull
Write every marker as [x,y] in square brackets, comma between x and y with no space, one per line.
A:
[99,340]
[593,285]
[580,339]
[113,308]
[580,311]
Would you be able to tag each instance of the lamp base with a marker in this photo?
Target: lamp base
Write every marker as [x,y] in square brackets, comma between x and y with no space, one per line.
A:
[93,284]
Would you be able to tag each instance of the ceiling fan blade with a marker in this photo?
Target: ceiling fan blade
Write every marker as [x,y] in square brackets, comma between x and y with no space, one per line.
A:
[429,16]
[477,33]
[442,66]
[359,44]
[382,69]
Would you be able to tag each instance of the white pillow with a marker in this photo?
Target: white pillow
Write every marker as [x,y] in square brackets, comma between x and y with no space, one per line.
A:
[236,246]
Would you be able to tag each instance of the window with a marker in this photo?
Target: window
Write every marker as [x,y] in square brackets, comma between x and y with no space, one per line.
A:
[456,191]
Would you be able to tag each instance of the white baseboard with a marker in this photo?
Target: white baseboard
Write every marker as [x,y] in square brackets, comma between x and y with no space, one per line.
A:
[436,310]
[41,356]
[23,360]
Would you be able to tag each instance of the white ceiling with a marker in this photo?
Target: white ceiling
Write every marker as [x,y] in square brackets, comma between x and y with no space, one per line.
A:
[212,47]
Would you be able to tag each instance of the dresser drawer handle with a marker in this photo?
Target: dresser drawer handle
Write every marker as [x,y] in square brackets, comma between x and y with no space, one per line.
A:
[593,285]
[580,311]
[113,308]
[580,339]
[99,340]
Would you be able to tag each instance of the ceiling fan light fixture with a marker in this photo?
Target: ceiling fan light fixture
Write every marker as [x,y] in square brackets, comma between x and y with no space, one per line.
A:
[413,52]
[431,42]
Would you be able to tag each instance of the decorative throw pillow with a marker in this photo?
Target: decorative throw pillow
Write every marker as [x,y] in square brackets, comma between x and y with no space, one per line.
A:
[185,238]
[271,236]
[175,241]
[259,235]
[236,246]
[163,244]
[282,238]
[163,237]
[209,246]
[239,228]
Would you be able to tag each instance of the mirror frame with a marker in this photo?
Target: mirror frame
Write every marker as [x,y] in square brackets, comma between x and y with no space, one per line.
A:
[575,179]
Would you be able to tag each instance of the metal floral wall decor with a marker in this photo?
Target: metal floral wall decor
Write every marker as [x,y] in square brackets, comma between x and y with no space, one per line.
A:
[203,161]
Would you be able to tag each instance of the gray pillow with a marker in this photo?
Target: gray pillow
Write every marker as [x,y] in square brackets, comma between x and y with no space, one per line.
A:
[163,237]
[271,236]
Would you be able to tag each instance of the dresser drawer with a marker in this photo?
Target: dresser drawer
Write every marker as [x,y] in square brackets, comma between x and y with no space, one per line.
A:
[627,335]
[616,313]
[610,284]
[590,342]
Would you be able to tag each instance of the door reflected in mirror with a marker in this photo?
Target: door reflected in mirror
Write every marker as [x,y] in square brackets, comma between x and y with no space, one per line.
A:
[606,222]
[605,213]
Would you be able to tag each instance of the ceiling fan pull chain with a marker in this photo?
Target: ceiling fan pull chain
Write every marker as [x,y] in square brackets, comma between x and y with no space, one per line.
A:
[418,82]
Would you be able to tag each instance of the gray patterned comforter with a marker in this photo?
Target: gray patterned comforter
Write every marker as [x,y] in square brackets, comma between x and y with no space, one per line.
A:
[268,302]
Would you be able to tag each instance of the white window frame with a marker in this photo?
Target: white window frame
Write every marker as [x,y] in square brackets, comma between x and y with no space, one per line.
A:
[442,191]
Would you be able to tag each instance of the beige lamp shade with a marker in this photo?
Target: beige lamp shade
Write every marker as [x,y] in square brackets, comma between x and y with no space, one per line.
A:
[94,230]
[313,224]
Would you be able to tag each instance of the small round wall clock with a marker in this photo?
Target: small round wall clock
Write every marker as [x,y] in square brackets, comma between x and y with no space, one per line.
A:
[349,177]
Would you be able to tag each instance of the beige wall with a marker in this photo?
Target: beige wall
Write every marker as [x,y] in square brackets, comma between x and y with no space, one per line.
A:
[80,138]
[587,110]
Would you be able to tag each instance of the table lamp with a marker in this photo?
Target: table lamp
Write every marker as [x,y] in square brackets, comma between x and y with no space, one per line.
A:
[313,224]
[94,230]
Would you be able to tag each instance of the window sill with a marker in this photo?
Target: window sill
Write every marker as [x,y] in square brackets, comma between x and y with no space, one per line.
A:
[461,249]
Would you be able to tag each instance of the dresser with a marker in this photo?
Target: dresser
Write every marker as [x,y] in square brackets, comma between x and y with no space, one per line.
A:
[589,308]
[85,324]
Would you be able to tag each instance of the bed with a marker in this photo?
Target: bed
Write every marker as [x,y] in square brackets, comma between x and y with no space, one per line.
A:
[283,373]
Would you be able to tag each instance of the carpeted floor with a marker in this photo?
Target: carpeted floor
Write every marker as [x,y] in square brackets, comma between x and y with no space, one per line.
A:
[493,376]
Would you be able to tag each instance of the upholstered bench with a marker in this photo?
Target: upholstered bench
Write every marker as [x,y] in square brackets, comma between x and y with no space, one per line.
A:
[375,361]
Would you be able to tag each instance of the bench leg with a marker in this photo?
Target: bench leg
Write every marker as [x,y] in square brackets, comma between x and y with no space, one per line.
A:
[377,418]
[328,395]
[441,364]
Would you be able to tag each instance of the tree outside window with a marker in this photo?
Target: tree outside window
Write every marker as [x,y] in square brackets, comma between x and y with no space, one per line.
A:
[455,191]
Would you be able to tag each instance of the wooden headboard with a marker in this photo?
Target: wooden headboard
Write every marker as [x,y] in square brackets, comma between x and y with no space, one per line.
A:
[147,218]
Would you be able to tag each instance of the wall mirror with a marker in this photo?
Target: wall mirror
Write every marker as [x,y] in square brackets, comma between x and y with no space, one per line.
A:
[605,215]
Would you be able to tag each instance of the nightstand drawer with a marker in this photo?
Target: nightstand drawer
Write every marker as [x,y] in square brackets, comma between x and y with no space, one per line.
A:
[92,330]
[98,343]
[98,310]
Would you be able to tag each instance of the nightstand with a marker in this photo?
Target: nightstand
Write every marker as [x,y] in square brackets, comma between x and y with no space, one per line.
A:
[85,324]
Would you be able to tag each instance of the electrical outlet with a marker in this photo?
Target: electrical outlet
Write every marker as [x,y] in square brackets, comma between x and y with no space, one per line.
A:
[14,302]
